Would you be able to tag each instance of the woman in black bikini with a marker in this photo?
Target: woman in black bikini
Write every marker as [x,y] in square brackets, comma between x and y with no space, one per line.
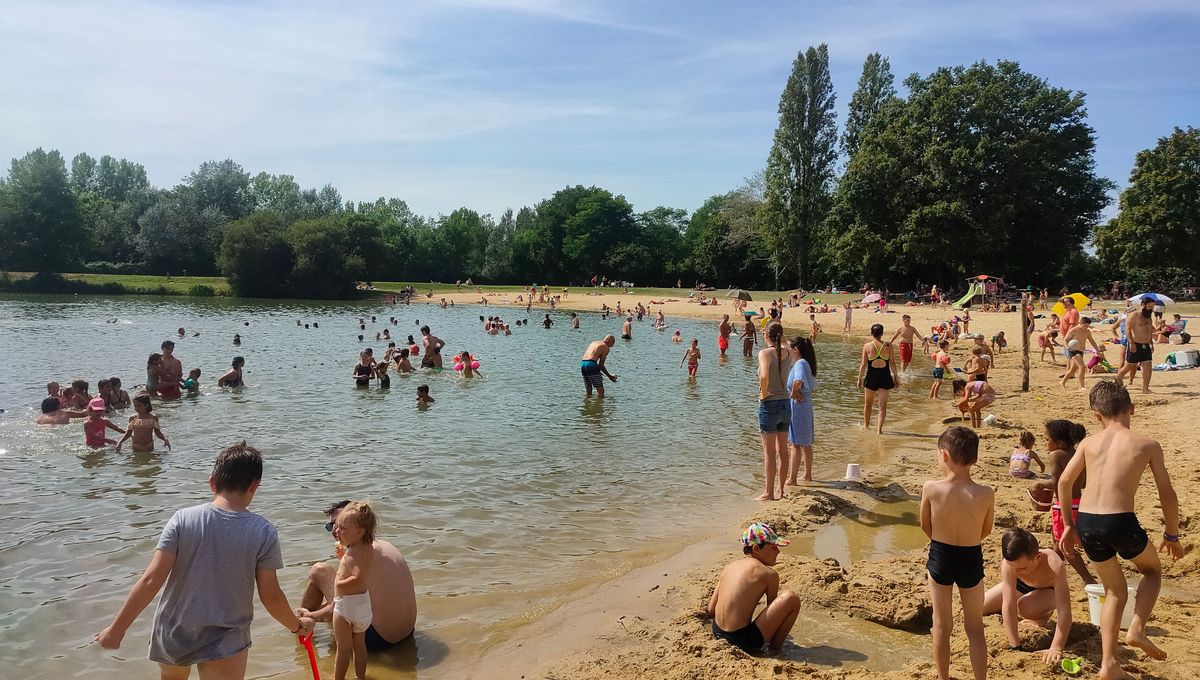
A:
[876,375]
[233,377]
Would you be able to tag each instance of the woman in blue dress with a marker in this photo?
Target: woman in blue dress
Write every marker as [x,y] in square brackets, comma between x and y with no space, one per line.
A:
[800,383]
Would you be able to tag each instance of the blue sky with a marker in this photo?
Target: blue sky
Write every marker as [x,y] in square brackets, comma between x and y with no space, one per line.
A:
[498,103]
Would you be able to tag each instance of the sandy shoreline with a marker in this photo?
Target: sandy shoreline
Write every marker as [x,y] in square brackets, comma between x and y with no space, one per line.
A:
[666,636]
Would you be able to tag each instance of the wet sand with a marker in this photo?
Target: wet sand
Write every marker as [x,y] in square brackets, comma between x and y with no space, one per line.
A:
[870,618]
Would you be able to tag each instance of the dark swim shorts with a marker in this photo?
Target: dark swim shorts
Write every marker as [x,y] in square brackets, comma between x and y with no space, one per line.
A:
[748,638]
[960,565]
[376,642]
[1103,536]
[1139,352]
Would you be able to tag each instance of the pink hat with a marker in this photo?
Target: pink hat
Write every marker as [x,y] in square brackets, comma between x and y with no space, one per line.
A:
[97,404]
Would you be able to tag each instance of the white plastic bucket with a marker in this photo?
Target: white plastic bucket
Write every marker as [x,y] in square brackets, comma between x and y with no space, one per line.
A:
[1095,595]
[853,472]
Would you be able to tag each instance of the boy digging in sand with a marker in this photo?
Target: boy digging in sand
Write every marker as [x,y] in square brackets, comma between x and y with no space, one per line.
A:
[742,585]
[1115,459]
[956,515]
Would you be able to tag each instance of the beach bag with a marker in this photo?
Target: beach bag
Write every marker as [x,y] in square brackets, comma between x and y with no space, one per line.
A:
[1175,339]
[1185,338]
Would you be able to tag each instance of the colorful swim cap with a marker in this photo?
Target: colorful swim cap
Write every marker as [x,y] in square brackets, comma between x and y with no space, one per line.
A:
[97,404]
[761,534]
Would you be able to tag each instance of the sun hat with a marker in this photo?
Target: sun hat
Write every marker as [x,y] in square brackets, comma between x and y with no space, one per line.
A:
[97,404]
[761,534]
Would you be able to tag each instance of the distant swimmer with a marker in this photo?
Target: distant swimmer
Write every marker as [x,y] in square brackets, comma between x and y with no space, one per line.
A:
[591,366]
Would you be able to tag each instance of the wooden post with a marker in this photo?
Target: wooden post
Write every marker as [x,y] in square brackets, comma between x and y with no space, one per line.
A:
[1026,301]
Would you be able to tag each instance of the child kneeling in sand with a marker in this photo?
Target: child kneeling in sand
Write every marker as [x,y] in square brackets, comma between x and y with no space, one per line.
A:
[1116,458]
[351,602]
[956,515]
[742,585]
[1033,585]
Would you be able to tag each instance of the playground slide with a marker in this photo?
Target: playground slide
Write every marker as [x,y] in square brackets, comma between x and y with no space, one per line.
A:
[975,289]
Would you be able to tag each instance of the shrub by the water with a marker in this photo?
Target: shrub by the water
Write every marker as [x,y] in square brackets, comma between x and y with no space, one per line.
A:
[201,290]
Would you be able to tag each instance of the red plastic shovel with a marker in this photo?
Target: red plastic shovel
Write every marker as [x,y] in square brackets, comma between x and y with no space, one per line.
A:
[312,656]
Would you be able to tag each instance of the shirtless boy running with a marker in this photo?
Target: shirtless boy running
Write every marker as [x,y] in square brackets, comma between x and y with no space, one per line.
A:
[906,333]
[1115,459]
[742,584]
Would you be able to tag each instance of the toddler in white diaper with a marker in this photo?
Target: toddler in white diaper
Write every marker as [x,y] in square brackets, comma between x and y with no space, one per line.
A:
[351,602]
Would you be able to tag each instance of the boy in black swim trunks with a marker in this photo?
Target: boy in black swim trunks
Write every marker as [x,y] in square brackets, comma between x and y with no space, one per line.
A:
[956,515]
[1115,459]
[1033,585]
[742,584]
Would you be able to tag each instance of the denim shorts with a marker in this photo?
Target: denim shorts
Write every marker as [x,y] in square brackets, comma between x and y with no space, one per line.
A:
[774,415]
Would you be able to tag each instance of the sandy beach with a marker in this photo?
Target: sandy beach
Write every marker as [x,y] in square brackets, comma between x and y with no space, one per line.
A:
[651,624]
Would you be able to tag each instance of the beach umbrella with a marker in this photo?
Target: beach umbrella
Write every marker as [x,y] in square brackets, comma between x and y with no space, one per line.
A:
[873,297]
[1158,298]
[740,295]
[1078,299]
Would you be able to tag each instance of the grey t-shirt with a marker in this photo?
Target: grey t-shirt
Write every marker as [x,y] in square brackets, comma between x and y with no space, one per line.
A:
[208,601]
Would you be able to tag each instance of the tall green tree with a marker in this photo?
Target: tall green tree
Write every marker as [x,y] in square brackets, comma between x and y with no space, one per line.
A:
[1158,226]
[279,194]
[800,166]
[325,266]
[117,179]
[178,233]
[255,256]
[876,86]
[977,163]
[40,226]
[223,185]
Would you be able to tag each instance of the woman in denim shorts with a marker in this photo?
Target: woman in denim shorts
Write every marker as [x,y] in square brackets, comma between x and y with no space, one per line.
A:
[774,409]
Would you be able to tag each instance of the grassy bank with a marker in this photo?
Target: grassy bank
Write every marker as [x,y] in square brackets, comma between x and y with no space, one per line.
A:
[113,284]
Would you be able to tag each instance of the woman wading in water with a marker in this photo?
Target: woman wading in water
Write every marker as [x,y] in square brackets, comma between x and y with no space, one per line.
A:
[876,375]
[774,411]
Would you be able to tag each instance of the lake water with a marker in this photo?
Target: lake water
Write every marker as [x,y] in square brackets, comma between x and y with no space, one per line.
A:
[506,496]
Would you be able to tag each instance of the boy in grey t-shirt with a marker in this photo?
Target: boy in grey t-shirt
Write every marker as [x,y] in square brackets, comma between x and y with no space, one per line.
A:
[211,557]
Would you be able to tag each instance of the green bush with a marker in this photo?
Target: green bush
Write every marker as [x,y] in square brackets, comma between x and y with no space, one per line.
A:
[201,290]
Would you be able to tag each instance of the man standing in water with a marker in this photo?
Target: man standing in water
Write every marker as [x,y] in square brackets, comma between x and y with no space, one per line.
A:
[723,333]
[170,373]
[1139,331]
[433,349]
[592,365]
[393,596]
[627,329]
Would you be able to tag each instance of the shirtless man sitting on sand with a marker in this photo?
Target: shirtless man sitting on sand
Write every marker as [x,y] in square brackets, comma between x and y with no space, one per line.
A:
[742,584]
[591,366]
[393,596]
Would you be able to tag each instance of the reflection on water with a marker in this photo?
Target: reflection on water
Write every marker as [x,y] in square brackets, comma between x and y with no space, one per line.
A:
[508,494]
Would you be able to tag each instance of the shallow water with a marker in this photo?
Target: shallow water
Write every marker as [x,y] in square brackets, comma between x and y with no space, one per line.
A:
[506,496]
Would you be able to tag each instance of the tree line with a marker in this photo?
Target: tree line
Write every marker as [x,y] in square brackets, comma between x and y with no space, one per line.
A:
[976,169]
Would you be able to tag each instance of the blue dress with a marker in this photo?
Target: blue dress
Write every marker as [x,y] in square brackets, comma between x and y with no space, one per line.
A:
[801,431]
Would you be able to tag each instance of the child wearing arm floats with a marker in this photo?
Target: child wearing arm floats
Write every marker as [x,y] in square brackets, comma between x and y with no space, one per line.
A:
[956,515]
[742,584]
[1115,459]
[211,557]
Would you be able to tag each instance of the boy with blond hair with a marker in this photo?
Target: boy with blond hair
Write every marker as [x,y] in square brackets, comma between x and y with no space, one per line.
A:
[956,515]
[1115,460]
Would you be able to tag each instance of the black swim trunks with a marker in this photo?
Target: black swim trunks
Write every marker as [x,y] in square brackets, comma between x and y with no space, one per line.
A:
[960,565]
[1103,536]
[747,638]
[1139,352]
[376,642]
[1024,588]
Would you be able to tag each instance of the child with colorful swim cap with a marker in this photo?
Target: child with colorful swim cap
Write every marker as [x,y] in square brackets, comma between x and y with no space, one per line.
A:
[742,584]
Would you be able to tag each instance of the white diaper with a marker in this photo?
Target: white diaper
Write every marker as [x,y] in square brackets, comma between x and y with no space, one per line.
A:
[356,609]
